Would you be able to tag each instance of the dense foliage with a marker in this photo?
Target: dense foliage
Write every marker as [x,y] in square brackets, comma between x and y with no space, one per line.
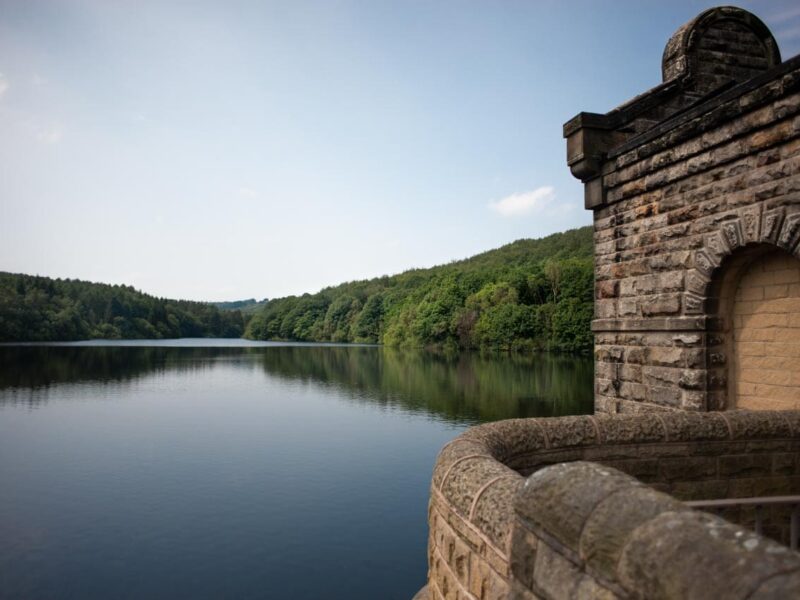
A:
[528,294]
[44,309]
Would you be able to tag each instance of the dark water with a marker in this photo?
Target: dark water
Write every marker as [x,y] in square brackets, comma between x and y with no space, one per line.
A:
[257,471]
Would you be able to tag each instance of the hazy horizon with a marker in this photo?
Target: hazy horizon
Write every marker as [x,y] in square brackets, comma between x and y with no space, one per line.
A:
[247,150]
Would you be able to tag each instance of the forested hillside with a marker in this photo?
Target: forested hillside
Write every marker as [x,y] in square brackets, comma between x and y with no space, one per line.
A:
[44,309]
[528,294]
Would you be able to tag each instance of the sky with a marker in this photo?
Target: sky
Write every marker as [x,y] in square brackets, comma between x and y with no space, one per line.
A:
[229,150]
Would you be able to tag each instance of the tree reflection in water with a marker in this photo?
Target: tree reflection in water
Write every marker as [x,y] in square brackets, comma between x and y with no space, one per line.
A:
[460,387]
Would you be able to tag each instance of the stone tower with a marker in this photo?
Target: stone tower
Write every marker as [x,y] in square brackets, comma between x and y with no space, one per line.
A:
[695,190]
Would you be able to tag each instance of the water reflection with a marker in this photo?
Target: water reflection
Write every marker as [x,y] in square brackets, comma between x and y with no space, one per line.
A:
[459,387]
[228,472]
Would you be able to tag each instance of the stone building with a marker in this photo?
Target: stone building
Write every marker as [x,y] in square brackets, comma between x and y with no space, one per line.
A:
[695,190]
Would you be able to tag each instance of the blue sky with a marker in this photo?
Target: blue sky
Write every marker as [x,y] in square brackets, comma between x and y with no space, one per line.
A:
[225,150]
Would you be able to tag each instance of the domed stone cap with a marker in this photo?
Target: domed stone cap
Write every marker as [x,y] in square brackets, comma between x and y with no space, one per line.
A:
[720,45]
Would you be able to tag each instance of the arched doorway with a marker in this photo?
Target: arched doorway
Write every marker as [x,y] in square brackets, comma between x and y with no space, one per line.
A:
[764,333]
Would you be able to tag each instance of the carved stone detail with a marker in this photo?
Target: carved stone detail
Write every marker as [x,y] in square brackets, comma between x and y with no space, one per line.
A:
[732,231]
[696,283]
[791,232]
[703,263]
[692,304]
[715,244]
[770,225]
[717,358]
[751,222]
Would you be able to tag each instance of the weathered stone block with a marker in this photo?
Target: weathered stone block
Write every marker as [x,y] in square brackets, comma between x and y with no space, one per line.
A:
[560,498]
[570,431]
[467,477]
[486,584]
[625,430]
[757,425]
[611,524]
[661,304]
[661,561]
[452,452]
[688,468]
[664,396]
[745,465]
[668,357]
[781,586]
[692,379]
[762,486]
[589,589]
[523,555]
[492,510]
[784,464]
[695,427]
[645,470]
[555,576]
[608,289]
[699,490]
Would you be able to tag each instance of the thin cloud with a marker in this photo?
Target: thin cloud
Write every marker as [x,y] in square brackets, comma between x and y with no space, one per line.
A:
[784,15]
[523,203]
[51,135]
[4,85]
[247,192]
[788,34]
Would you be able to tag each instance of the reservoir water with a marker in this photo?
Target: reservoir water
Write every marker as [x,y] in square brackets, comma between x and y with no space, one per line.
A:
[230,469]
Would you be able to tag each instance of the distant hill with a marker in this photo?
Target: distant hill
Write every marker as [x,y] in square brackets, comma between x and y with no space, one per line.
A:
[249,306]
[34,308]
[527,294]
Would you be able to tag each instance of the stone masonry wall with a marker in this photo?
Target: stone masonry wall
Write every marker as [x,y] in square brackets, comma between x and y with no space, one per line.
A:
[675,217]
[675,203]
[494,534]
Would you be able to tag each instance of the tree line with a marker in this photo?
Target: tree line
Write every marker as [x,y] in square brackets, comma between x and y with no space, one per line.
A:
[530,294]
[34,308]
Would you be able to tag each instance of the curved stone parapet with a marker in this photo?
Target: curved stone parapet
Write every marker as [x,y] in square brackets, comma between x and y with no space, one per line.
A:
[594,529]
[587,531]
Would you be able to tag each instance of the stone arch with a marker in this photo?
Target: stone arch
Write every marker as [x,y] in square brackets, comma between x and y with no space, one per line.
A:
[736,232]
[743,258]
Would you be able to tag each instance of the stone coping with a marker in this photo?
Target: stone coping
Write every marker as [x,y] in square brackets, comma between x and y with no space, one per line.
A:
[731,94]
[495,449]
[628,540]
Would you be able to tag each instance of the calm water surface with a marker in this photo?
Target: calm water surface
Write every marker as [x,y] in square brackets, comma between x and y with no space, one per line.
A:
[227,469]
